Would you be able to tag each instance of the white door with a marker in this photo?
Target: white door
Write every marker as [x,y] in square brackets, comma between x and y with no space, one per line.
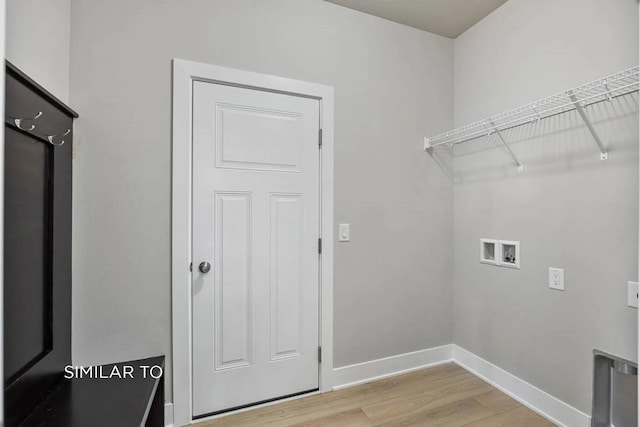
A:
[256,168]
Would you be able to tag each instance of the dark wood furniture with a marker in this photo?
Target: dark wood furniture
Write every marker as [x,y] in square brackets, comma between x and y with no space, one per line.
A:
[101,402]
[37,243]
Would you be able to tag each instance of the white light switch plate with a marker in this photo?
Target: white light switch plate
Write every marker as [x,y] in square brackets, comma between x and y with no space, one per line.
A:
[556,278]
[632,294]
[343,233]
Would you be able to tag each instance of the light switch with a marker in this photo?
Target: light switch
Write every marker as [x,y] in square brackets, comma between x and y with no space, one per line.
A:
[343,233]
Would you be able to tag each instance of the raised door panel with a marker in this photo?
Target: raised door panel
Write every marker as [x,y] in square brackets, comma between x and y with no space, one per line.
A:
[286,275]
[232,297]
[257,138]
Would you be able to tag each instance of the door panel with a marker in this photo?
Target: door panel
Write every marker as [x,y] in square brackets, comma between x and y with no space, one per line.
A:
[232,283]
[256,219]
[286,276]
[258,138]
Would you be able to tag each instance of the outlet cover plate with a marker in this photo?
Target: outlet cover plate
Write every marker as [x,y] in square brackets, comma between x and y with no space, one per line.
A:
[632,294]
[556,278]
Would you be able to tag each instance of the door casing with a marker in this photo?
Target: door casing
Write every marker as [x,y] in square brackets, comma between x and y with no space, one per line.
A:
[184,74]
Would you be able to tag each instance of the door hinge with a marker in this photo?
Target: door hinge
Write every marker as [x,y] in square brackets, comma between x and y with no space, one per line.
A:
[319,354]
[320,138]
[191,266]
[320,246]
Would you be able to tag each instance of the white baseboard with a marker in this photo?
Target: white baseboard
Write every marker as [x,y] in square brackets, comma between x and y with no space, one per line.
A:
[360,373]
[168,414]
[530,396]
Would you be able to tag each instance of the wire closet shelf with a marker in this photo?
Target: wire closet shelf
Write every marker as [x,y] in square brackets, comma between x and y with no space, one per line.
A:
[604,89]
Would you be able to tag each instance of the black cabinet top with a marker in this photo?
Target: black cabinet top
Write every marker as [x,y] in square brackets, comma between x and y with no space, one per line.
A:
[97,401]
[29,82]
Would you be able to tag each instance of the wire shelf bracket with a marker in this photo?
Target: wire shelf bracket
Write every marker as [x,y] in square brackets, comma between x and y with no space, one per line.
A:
[504,143]
[606,89]
[604,155]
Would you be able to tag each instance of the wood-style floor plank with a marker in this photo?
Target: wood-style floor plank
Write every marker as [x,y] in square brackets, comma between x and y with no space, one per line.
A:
[352,418]
[394,408]
[521,417]
[419,381]
[497,402]
[445,395]
[457,414]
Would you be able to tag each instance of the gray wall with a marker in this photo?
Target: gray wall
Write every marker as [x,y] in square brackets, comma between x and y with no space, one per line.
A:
[569,209]
[38,41]
[393,85]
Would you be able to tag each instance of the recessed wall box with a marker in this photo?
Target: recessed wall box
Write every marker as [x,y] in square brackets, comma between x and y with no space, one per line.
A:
[489,251]
[615,391]
[509,254]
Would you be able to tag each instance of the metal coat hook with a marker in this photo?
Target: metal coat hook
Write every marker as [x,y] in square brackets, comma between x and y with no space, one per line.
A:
[57,144]
[18,122]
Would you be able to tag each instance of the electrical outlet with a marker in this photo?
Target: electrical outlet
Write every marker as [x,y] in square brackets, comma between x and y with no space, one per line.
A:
[556,278]
[632,294]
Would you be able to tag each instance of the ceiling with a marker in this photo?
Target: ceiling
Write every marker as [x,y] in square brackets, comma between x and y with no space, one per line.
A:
[448,18]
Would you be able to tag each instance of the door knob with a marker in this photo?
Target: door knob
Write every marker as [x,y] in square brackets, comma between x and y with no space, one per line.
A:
[204,267]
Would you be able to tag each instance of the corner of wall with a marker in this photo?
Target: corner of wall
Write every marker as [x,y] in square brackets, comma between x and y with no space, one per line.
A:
[39,43]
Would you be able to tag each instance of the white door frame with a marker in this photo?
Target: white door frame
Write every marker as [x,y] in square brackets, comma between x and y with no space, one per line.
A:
[184,73]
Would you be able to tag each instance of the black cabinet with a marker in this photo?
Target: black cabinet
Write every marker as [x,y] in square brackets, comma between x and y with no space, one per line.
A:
[37,243]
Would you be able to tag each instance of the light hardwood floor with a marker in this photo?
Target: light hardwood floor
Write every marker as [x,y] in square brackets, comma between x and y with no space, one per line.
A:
[446,396]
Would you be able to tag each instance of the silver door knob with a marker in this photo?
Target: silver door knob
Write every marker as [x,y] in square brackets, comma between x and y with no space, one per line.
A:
[204,267]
